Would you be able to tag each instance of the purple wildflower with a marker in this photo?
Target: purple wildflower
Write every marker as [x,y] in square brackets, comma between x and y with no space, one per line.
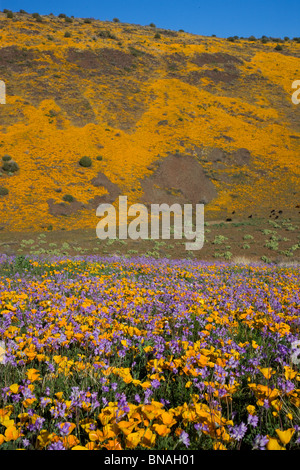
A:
[238,432]
[184,438]
[252,420]
[260,442]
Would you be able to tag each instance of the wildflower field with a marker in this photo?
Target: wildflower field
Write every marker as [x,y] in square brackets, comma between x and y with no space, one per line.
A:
[111,353]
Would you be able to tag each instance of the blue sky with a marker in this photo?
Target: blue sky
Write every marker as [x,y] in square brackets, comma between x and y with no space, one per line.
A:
[277,18]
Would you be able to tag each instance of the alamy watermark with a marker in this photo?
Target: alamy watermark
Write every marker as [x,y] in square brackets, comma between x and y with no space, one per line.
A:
[2,92]
[295,357]
[296,85]
[2,352]
[154,226]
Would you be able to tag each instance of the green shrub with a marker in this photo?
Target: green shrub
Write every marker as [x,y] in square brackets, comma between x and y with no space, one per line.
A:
[85,162]
[62,15]
[68,198]
[157,36]
[6,158]
[68,20]
[11,166]
[87,20]
[227,255]
[272,245]
[219,239]
[116,20]
[99,158]
[67,34]
[37,17]
[152,25]
[3,191]
[278,47]
[106,34]
[9,14]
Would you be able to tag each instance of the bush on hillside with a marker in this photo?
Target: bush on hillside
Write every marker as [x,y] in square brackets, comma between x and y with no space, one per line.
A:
[85,162]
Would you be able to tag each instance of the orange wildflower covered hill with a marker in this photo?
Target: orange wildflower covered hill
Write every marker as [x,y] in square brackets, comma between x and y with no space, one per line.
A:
[130,98]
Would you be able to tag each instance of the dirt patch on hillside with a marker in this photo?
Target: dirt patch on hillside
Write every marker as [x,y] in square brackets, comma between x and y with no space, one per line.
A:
[63,208]
[241,156]
[217,58]
[113,189]
[102,57]
[15,59]
[229,74]
[178,179]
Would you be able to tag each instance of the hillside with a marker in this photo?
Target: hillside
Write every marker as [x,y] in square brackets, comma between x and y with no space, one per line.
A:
[164,116]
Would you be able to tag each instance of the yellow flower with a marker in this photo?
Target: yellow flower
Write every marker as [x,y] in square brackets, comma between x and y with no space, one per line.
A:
[219,446]
[12,433]
[14,388]
[285,436]
[267,372]
[168,419]
[33,374]
[44,438]
[251,409]
[126,427]
[79,448]
[133,440]
[70,441]
[273,444]
[161,429]
[113,444]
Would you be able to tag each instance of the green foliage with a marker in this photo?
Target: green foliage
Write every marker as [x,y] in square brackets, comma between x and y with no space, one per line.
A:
[278,47]
[10,166]
[67,34]
[272,244]
[37,17]
[106,34]
[219,239]
[86,162]
[68,198]
[3,191]
[6,158]
[9,14]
